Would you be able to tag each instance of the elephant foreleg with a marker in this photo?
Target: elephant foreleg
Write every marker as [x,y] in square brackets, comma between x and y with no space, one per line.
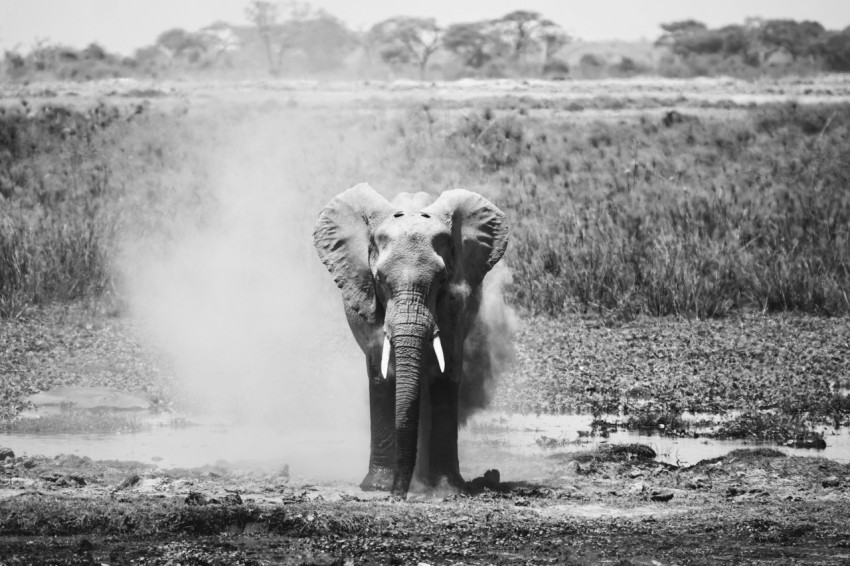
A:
[382,415]
[444,423]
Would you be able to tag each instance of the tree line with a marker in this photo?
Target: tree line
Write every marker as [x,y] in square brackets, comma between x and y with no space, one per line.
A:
[294,39]
[759,42]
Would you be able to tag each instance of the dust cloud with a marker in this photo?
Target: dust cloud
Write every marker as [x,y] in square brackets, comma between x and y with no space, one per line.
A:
[248,318]
[489,350]
[243,310]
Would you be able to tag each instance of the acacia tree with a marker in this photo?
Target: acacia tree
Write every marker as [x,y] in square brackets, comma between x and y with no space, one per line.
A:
[676,32]
[834,48]
[266,17]
[296,26]
[404,40]
[797,38]
[323,39]
[184,45]
[553,38]
[512,36]
[524,29]
[474,43]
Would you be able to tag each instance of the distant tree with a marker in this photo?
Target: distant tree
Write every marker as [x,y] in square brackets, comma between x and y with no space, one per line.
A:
[591,65]
[797,38]
[266,17]
[526,30]
[406,40]
[94,52]
[736,39]
[474,43]
[42,53]
[14,60]
[151,59]
[220,40]
[182,44]
[322,38]
[678,29]
[554,37]
[834,48]
[293,26]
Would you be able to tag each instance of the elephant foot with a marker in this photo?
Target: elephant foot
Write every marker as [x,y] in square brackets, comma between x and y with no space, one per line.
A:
[452,481]
[379,478]
[401,485]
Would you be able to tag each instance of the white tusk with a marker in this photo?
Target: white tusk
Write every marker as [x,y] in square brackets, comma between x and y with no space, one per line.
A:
[385,357]
[438,349]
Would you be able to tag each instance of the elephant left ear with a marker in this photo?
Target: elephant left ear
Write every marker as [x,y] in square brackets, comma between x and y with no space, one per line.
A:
[479,232]
[342,237]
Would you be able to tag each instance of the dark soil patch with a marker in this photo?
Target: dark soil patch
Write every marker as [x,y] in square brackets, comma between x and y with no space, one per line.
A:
[750,506]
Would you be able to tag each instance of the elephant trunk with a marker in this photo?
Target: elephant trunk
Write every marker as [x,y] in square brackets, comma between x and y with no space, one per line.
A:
[411,326]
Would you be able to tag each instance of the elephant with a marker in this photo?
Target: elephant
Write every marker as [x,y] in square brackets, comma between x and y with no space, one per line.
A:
[410,273]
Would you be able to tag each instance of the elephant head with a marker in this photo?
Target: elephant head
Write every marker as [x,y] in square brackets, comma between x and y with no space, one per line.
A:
[409,275]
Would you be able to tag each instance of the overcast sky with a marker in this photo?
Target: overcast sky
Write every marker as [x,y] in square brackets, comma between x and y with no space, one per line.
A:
[124,25]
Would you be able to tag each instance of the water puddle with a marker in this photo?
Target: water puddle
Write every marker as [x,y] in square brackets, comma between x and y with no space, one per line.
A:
[317,454]
[524,435]
[512,443]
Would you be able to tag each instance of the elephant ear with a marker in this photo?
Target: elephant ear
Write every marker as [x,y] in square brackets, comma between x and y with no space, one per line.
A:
[479,232]
[342,238]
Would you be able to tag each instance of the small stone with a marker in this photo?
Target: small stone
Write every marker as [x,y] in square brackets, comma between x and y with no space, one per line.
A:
[831,481]
[639,487]
[6,453]
[636,473]
[661,497]
[30,463]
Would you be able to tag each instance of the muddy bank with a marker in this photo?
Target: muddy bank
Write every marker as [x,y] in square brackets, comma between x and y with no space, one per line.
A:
[598,506]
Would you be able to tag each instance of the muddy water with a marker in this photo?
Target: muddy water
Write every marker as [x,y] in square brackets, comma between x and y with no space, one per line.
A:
[320,455]
[572,433]
[511,443]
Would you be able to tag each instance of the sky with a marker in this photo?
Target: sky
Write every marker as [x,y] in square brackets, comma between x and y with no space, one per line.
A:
[124,25]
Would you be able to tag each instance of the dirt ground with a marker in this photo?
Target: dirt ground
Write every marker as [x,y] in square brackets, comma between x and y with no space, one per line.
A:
[751,506]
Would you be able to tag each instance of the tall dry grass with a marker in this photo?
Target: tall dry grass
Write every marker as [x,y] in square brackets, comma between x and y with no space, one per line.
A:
[676,214]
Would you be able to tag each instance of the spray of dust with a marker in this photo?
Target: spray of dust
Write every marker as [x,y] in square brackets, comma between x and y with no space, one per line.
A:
[249,318]
[489,349]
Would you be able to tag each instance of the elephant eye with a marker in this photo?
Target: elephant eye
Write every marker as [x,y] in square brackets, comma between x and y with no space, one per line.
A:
[426,215]
[398,215]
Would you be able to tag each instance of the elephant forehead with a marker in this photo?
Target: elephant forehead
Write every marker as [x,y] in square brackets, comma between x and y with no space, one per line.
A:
[411,228]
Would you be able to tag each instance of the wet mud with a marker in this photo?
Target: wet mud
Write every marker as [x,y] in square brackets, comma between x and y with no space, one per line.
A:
[594,506]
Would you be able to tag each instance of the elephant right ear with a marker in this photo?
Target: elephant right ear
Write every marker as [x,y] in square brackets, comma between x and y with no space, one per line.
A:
[342,238]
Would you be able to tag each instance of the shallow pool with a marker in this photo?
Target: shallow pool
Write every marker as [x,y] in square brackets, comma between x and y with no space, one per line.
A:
[511,443]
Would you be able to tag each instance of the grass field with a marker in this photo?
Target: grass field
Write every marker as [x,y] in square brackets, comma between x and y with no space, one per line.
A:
[690,215]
